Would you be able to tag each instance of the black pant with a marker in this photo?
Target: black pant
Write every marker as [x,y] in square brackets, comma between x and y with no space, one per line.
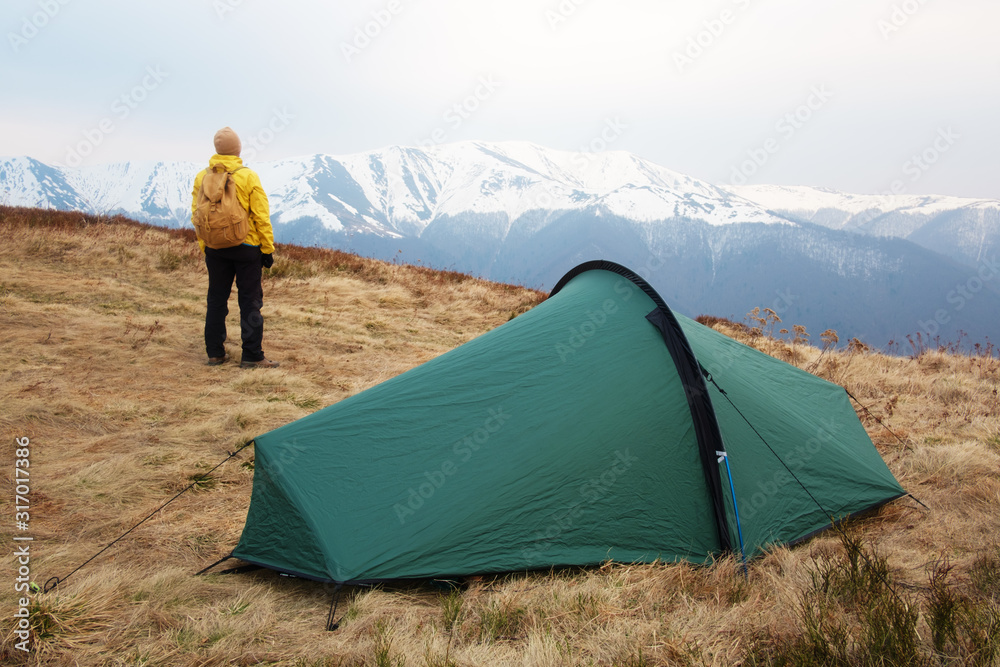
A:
[243,263]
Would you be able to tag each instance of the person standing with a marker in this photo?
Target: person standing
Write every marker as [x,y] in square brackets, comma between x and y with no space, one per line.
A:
[242,262]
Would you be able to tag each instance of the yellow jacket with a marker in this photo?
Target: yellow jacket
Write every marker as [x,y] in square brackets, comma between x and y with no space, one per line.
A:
[251,195]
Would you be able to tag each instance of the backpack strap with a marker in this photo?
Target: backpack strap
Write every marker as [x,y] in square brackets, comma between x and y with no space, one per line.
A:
[233,172]
[213,168]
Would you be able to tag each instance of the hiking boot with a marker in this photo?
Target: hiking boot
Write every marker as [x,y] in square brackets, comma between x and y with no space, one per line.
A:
[263,363]
[217,361]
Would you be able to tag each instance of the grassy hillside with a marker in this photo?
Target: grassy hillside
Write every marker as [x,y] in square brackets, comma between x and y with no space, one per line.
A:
[104,373]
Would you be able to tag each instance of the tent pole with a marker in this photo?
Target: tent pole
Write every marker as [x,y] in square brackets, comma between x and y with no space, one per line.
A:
[724,456]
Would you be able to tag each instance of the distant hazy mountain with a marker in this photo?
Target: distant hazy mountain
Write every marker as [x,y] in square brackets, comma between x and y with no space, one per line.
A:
[967,230]
[521,213]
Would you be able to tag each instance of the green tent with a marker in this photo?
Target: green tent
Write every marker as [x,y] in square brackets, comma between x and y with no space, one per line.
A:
[599,425]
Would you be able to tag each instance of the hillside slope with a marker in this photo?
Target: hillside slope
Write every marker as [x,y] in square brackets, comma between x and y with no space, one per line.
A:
[104,374]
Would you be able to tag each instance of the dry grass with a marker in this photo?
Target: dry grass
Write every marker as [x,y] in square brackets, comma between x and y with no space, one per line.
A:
[104,372]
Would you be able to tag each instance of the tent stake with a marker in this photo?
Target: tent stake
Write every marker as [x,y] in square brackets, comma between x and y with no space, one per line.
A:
[330,624]
[919,501]
[218,562]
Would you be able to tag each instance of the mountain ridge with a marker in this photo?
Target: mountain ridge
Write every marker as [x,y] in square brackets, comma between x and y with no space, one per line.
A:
[965,229]
[520,213]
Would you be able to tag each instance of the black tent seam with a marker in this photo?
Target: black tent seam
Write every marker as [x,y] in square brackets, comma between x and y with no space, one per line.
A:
[703,417]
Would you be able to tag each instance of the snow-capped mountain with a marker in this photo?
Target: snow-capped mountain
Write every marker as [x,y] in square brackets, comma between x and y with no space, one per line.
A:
[518,212]
[396,191]
[968,230]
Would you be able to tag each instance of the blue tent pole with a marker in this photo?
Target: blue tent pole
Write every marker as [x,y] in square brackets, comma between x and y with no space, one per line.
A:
[724,456]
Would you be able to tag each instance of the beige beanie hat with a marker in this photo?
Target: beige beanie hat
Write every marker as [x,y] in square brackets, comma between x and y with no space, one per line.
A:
[227,142]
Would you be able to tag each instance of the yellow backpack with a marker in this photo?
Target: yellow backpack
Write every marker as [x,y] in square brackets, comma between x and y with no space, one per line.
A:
[220,221]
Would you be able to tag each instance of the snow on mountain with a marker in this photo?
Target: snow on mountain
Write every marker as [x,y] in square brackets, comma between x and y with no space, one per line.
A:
[157,190]
[967,230]
[28,182]
[397,191]
[809,200]
[518,212]
[525,177]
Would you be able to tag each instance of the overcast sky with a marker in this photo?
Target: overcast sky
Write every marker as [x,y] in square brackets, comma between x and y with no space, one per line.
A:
[849,94]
